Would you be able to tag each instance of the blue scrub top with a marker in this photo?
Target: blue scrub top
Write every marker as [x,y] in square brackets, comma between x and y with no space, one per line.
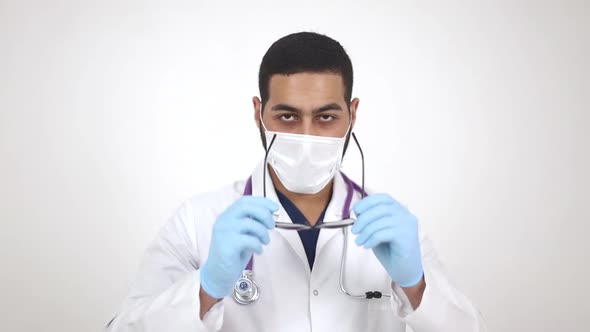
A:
[309,237]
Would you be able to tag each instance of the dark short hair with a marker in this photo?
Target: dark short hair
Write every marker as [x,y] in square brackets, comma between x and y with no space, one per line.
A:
[305,52]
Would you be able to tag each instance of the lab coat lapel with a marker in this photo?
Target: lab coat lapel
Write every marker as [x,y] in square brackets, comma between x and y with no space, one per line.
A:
[291,236]
[333,212]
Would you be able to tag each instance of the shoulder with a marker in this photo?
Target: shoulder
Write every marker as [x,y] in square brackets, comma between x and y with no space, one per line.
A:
[202,206]
[194,217]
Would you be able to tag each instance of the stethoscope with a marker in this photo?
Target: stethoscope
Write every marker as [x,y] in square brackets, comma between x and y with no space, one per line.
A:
[246,290]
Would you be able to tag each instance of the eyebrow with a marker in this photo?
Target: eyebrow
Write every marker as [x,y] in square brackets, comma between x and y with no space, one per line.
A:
[286,107]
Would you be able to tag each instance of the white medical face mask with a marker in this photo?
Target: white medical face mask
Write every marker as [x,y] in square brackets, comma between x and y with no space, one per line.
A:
[304,164]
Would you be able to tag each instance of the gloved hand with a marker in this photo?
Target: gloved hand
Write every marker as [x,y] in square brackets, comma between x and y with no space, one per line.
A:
[392,232]
[239,231]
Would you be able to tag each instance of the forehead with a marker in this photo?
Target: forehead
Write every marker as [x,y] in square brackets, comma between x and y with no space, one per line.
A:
[306,86]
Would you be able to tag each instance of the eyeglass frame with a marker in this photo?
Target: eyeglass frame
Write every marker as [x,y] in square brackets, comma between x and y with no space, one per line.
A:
[338,224]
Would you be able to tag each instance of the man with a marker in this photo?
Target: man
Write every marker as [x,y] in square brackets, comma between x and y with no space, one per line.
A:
[298,246]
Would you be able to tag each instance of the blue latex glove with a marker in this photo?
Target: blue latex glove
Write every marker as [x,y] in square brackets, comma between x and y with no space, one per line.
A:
[392,232]
[241,230]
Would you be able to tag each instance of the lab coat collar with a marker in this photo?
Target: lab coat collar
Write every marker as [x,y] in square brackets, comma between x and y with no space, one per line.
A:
[333,211]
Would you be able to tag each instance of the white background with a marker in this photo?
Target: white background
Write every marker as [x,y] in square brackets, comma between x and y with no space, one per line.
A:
[112,113]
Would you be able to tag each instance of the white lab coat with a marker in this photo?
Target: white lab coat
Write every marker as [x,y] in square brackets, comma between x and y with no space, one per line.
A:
[165,293]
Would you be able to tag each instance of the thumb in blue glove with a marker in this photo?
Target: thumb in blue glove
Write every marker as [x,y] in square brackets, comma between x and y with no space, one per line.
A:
[241,230]
[391,231]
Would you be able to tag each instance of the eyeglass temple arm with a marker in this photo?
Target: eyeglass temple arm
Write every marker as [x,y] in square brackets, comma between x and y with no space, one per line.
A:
[264,166]
[356,141]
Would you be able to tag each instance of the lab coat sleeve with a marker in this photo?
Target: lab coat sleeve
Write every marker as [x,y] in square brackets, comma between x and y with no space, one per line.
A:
[165,293]
[443,307]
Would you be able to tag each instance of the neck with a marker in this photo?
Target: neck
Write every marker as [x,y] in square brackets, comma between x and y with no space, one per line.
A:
[311,205]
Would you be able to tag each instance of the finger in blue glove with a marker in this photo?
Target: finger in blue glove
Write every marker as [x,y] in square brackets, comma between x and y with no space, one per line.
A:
[240,231]
[391,231]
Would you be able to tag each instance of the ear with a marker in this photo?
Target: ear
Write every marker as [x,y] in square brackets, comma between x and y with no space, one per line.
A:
[354,104]
[257,105]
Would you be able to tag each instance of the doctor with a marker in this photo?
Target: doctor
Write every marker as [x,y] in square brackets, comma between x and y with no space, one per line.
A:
[297,246]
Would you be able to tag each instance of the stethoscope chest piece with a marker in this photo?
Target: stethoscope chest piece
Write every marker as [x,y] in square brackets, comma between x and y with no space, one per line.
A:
[246,289]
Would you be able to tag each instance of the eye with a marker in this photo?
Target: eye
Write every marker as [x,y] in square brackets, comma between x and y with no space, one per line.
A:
[288,117]
[326,117]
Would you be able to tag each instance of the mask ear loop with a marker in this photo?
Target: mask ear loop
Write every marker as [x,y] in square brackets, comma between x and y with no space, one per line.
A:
[265,158]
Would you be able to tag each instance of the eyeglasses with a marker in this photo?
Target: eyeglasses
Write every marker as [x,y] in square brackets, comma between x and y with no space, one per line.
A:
[320,225]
